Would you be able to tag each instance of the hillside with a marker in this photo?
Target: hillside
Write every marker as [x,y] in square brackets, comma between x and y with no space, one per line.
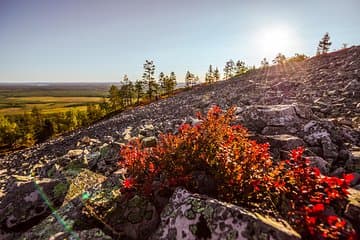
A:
[315,103]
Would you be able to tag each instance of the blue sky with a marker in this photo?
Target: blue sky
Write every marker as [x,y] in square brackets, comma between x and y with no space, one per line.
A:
[88,40]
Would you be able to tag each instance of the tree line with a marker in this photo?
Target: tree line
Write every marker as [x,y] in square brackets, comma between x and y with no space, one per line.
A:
[35,127]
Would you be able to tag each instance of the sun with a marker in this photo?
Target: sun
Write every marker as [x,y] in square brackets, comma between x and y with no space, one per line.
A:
[271,40]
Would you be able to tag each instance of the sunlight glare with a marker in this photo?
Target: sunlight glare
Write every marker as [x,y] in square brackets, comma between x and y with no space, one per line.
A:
[276,39]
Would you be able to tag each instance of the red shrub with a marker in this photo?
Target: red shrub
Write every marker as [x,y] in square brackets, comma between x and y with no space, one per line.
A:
[244,174]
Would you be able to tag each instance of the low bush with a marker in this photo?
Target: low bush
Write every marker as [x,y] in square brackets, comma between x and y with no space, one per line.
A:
[244,174]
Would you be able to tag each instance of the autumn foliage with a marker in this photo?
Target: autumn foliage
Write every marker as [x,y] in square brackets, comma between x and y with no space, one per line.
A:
[244,174]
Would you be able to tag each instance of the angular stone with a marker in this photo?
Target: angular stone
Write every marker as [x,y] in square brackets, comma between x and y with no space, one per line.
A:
[320,163]
[192,216]
[353,163]
[352,211]
[285,141]
[28,202]
[149,141]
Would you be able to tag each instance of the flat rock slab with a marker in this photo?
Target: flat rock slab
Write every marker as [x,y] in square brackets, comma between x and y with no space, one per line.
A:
[28,201]
[193,216]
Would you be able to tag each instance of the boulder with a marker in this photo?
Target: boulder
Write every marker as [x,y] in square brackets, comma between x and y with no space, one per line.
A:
[70,215]
[352,211]
[149,141]
[280,145]
[28,201]
[320,163]
[193,216]
[258,117]
[353,162]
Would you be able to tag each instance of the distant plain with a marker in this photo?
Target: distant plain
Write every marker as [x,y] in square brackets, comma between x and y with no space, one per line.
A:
[20,98]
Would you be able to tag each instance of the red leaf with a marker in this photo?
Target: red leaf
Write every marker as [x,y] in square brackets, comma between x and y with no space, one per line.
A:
[318,208]
[128,183]
[348,178]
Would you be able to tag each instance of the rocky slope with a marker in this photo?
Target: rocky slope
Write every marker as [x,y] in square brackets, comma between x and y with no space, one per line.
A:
[315,103]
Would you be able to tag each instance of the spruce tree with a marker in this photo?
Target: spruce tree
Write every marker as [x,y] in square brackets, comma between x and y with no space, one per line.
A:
[279,59]
[149,79]
[264,63]
[229,69]
[217,74]
[240,68]
[210,76]
[324,44]
[139,90]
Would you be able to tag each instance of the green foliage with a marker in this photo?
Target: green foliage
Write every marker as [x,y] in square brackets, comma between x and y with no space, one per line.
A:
[297,58]
[8,131]
[244,174]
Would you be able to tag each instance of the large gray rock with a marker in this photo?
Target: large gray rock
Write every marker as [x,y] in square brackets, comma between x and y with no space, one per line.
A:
[258,117]
[193,216]
[352,211]
[28,201]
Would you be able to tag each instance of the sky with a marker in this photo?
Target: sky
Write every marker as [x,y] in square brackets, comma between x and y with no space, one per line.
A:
[94,41]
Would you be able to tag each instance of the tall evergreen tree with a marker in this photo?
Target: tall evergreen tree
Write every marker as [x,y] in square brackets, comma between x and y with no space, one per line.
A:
[217,74]
[114,97]
[190,79]
[279,59]
[162,82]
[210,75]
[324,44]
[264,63]
[139,90]
[240,68]
[172,81]
[149,79]
[126,91]
[229,69]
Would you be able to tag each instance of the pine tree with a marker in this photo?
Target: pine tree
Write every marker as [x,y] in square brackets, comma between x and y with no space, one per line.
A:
[172,81]
[162,82]
[188,79]
[324,44]
[264,63]
[149,79]
[114,97]
[240,68]
[139,90]
[217,74]
[126,91]
[279,59]
[210,76]
[229,69]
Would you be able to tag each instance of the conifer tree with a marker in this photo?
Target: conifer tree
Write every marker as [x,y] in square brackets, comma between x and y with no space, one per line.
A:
[240,68]
[217,74]
[139,90]
[191,79]
[279,59]
[149,79]
[264,63]
[210,75]
[114,97]
[229,69]
[324,44]
[172,81]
